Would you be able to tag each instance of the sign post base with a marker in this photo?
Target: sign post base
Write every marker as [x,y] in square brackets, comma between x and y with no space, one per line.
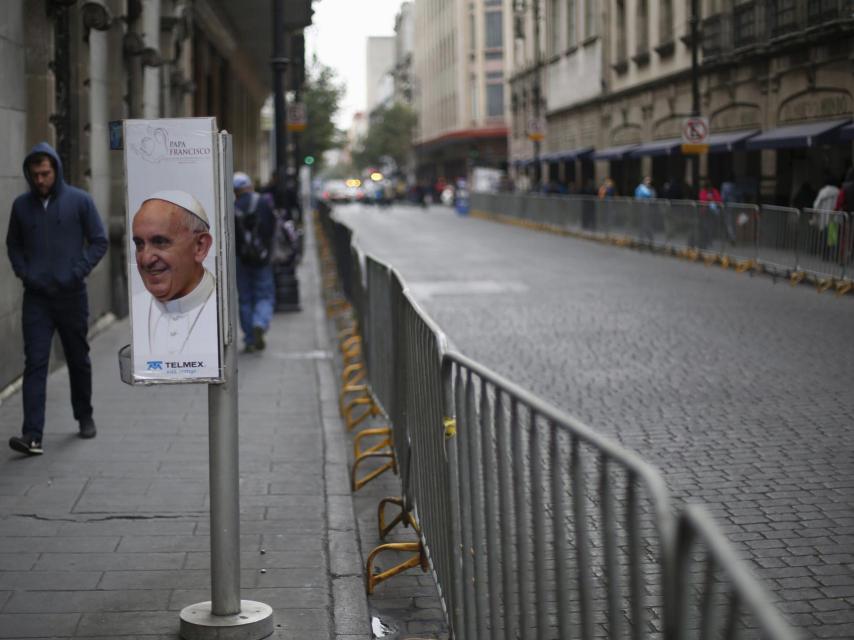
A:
[254,622]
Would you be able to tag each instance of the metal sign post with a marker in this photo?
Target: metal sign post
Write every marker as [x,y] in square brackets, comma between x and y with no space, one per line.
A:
[225,615]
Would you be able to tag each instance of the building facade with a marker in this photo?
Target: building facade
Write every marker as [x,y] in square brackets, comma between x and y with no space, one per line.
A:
[70,68]
[460,59]
[380,64]
[775,82]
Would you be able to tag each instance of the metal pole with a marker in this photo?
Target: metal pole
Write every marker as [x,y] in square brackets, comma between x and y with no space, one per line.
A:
[226,615]
[695,86]
[224,483]
[280,64]
[535,8]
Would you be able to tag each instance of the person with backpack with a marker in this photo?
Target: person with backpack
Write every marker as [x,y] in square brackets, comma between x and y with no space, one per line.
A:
[254,228]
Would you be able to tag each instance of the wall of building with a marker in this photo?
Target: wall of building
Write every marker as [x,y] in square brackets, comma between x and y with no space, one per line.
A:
[13,132]
[380,62]
[106,84]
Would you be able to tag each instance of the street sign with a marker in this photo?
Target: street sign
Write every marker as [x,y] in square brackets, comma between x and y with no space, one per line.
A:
[536,129]
[297,117]
[695,135]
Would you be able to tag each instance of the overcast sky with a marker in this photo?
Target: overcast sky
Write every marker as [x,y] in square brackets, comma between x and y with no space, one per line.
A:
[339,36]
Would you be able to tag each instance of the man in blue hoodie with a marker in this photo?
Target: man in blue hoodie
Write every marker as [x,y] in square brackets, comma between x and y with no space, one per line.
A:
[55,239]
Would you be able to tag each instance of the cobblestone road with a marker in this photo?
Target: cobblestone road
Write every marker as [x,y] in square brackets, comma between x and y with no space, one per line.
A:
[739,389]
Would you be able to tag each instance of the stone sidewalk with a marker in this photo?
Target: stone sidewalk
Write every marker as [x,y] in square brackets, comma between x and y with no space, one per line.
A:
[109,537]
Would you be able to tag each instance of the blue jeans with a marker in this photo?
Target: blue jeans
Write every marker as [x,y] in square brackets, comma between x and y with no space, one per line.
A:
[256,293]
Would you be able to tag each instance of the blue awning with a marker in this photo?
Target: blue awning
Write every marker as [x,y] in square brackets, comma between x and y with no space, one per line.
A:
[808,134]
[657,148]
[847,132]
[729,141]
[572,154]
[613,153]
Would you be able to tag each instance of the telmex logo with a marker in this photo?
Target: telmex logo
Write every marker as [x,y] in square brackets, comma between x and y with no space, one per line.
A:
[155,365]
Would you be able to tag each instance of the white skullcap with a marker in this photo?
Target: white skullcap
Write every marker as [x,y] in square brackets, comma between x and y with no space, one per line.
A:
[183,200]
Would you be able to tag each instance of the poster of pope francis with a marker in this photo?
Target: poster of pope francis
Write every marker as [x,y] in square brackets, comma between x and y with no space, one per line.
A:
[172,249]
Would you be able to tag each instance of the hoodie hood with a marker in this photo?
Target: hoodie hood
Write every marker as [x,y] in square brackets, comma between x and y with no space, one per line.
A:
[45,148]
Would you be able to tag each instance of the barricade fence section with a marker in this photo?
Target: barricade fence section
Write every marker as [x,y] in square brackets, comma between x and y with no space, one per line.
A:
[563,531]
[779,240]
[534,525]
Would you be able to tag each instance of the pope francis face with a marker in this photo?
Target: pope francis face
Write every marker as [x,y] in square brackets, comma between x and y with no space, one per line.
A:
[171,245]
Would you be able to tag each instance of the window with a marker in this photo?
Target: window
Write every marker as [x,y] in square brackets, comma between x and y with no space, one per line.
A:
[781,16]
[571,27]
[554,27]
[472,34]
[744,24]
[494,30]
[621,31]
[495,100]
[474,91]
[665,23]
[642,42]
[590,22]
[819,11]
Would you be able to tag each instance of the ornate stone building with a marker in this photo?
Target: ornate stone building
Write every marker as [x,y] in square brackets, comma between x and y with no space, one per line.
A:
[776,82]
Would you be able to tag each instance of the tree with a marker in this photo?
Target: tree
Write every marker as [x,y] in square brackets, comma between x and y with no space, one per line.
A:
[390,134]
[322,94]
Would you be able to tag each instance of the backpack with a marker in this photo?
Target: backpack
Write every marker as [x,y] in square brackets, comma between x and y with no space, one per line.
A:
[252,249]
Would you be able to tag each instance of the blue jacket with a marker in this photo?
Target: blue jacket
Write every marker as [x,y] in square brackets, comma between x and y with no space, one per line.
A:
[53,249]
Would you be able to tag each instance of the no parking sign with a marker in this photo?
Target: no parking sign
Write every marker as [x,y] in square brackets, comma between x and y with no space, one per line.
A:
[695,135]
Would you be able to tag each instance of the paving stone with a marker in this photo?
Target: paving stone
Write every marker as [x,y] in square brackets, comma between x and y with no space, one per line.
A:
[27,625]
[86,601]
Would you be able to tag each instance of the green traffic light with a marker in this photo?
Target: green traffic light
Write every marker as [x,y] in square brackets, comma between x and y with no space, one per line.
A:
[309,160]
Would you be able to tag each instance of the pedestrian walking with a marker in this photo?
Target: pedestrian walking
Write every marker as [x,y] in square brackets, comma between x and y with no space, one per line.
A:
[730,195]
[607,189]
[645,192]
[55,239]
[824,203]
[710,212]
[255,226]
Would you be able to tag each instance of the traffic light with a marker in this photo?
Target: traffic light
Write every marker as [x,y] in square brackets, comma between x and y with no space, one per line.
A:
[309,160]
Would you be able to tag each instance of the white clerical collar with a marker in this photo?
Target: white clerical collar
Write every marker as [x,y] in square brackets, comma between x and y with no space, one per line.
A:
[195,298]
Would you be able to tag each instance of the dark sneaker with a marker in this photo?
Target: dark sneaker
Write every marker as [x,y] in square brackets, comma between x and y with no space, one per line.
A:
[258,339]
[249,348]
[26,445]
[87,428]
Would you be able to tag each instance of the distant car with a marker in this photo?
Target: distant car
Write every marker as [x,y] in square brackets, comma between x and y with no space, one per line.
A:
[355,194]
[335,191]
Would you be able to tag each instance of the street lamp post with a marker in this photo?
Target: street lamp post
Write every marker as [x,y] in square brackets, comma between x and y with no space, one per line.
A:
[280,65]
[695,85]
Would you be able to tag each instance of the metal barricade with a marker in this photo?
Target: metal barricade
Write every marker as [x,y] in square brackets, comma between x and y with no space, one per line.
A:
[425,479]
[714,595]
[824,245]
[620,223]
[682,228]
[379,350]
[711,230]
[535,525]
[777,241]
[741,233]
[652,223]
[560,530]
